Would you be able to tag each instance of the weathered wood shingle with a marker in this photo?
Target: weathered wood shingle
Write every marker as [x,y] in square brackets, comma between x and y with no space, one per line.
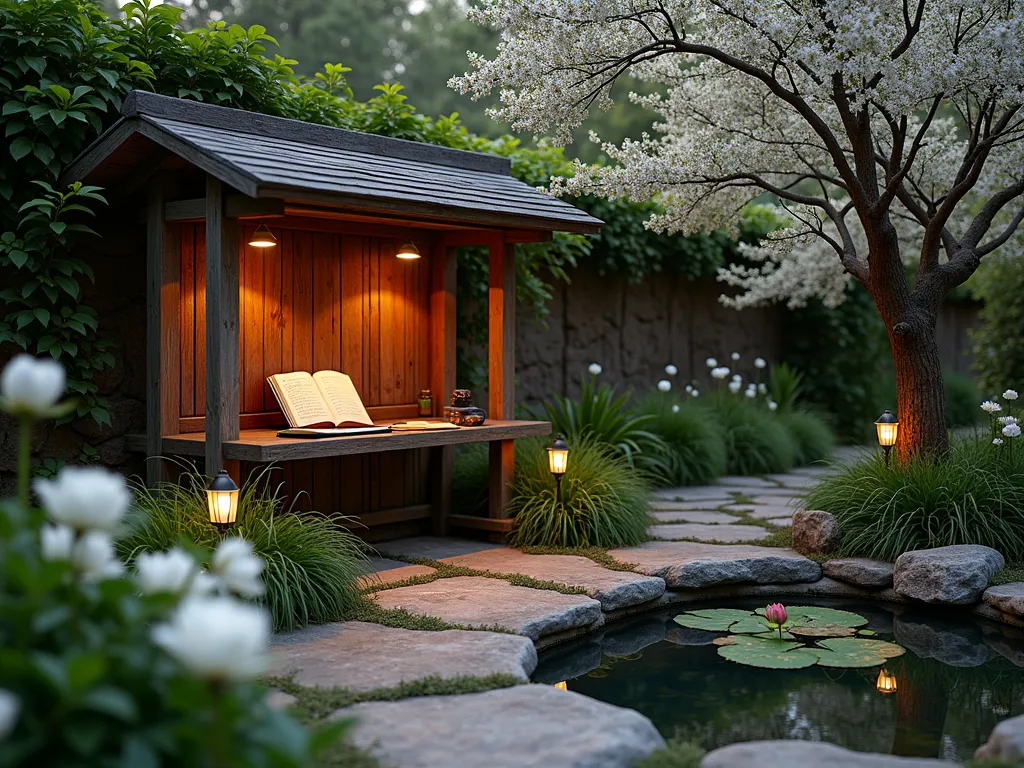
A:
[264,156]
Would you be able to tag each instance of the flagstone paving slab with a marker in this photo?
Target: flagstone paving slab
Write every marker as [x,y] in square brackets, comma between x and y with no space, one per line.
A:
[479,601]
[392,575]
[688,506]
[614,589]
[434,547]
[693,516]
[782,522]
[360,656]
[744,481]
[527,725]
[701,493]
[693,565]
[761,512]
[724,532]
[778,499]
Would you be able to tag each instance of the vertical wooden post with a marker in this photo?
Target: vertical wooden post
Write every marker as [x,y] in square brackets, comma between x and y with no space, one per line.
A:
[222,379]
[163,284]
[501,338]
[443,273]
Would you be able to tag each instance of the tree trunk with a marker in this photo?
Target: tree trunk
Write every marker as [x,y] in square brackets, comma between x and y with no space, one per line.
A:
[921,396]
[920,716]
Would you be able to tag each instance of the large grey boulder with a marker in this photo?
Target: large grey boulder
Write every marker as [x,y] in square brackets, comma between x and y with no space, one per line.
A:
[872,574]
[528,725]
[361,657]
[816,532]
[956,645]
[694,565]
[1008,598]
[805,754]
[956,575]
[1006,742]
[614,589]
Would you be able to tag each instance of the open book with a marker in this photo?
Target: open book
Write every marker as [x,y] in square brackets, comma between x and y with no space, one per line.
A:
[322,401]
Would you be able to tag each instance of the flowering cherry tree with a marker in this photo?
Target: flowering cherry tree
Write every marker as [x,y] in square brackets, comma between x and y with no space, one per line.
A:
[880,126]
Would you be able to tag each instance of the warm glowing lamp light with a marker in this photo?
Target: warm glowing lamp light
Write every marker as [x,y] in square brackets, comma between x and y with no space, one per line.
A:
[263,237]
[886,681]
[887,427]
[408,251]
[562,686]
[222,500]
[558,462]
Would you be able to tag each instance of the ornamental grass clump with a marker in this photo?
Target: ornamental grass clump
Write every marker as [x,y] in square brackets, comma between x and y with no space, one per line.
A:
[813,439]
[695,443]
[972,495]
[756,442]
[312,561]
[603,499]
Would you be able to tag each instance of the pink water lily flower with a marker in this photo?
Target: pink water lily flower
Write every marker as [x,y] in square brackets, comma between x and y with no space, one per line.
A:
[776,615]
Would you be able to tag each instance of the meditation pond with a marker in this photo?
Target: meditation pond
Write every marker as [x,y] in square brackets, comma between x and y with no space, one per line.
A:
[956,679]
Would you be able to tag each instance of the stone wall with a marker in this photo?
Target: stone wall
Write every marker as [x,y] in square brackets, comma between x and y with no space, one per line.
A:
[634,331]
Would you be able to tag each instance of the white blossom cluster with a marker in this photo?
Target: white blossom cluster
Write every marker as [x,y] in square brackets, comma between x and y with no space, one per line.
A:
[748,105]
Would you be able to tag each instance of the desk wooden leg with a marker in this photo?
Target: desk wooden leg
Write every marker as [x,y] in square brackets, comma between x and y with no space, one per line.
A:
[502,468]
[442,474]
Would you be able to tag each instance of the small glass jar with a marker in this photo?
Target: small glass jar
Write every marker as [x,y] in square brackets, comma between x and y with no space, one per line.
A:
[426,403]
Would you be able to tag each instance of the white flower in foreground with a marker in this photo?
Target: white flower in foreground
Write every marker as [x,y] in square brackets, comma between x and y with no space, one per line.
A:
[94,557]
[30,385]
[240,569]
[170,571]
[695,393]
[762,388]
[735,386]
[719,373]
[595,369]
[57,541]
[759,362]
[671,370]
[711,362]
[675,408]
[1011,430]
[10,706]
[217,638]
[772,405]
[735,356]
[1010,394]
[990,406]
[689,389]
[205,583]
[1004,420]
[997,441]
[664,385]
[751,393]
[85,498]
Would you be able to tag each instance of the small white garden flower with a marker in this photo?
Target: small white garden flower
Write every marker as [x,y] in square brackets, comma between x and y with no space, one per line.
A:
[1004,420]
[671,370]
[751,393]
[1010,394]
[1011,430]
[170,571]
[711,362]
[85,498]
[719,373]
[695,393]
[990,406]
[762,388]
[31,385]
[759,362]
[675,408]
[737,377]
[240,569]
[997,441]
[664,385]
[735,386]
[217,638]
[10,706]
[57,541]
[772,405]
[94,557]
[595,369]
[735,356]
[689,389]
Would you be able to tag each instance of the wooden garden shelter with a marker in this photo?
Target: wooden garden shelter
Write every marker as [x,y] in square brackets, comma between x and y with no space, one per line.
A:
[222,315]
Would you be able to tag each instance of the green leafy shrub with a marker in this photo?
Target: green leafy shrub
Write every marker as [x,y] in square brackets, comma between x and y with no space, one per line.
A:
[962,399]
[813,438]
[695,446]
[604,500]
[605,416]
[786,385]
[756,442]
[973,495]
[997,342]
[312,561]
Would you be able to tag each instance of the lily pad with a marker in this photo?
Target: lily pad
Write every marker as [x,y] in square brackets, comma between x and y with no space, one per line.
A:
[748,626]
[812,616]
[867,632]
[712,619]
[769,654]
[825,630]
[773,634]
[727,640]
[851,652]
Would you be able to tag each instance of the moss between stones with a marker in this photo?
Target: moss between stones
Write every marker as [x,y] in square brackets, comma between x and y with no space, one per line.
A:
[1013,572]
[676,754]
[368,611]
[447,571]
[597,554]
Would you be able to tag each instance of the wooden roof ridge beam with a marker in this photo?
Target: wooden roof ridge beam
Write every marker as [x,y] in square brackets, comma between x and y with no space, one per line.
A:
[235,207]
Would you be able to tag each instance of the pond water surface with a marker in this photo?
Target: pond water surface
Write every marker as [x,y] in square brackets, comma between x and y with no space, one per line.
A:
[959,677]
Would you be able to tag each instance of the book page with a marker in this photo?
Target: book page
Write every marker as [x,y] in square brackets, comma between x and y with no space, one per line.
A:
[341,396]
[300,400]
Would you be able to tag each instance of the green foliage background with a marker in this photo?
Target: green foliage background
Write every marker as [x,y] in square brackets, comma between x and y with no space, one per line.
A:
[998,341]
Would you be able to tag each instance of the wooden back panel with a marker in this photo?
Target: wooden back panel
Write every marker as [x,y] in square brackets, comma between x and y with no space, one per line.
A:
[319,300]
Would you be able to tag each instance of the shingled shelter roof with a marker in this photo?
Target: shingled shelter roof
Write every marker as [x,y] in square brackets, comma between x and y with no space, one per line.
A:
[274,157]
